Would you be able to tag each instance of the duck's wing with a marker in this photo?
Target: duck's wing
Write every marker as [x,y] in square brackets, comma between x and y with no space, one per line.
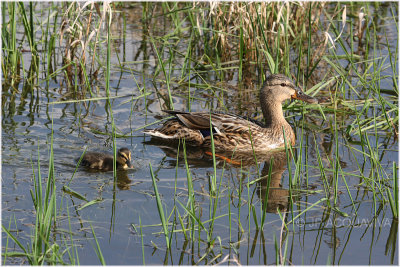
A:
[192,120]
[259,123]
[221,122]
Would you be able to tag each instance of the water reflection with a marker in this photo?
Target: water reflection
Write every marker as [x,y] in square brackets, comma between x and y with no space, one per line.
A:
[272,172]
[123,181]
[274,165]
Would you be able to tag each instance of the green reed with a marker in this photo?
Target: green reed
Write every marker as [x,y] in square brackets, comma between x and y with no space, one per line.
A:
[73,252]
[163,67]
[141,240]
[160,209]
[41,249]
[97,248]
[191,203]
[9,39]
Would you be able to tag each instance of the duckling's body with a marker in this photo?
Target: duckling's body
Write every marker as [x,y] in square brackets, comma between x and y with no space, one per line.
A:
[105,162]
[236,133]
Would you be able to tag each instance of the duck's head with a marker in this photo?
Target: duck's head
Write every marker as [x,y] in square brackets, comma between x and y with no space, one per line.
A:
[278,88]
[124,158]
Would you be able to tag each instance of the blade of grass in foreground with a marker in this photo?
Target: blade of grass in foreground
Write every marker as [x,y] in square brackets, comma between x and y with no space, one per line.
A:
[141,238]
[74,258]
[214,196]
[97,249]
[160,208]
[26,253]
[191,197]
[6,246]
[394,200]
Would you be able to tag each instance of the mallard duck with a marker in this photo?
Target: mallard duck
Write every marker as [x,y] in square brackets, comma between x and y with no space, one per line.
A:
[237,133]
[105,162]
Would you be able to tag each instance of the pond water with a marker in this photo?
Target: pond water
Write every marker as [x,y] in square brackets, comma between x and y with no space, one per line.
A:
[34,116]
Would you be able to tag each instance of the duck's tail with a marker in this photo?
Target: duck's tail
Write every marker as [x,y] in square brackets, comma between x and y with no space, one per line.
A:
[158,134]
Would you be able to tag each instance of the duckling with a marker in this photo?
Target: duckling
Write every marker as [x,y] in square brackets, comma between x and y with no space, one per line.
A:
[104,162]
[237,133]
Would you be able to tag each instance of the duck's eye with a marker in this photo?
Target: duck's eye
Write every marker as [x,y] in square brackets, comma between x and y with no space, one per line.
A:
[283,84]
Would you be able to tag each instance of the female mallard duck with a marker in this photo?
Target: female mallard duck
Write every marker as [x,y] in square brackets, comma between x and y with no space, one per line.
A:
[105,162]
[236,133]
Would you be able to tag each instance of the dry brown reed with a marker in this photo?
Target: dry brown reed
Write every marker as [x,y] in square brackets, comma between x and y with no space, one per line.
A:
[262,18]
[80,36]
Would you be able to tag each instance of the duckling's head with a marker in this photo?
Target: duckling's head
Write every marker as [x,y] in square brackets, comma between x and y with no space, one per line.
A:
[124,158]
[278,88]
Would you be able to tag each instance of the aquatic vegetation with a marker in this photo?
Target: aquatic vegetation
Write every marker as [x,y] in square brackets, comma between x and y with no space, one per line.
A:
[93,75]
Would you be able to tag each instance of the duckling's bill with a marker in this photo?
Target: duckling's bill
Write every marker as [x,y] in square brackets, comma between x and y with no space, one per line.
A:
[129,164]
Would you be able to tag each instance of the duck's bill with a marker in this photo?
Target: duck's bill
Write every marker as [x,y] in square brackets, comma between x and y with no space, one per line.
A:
[303,97]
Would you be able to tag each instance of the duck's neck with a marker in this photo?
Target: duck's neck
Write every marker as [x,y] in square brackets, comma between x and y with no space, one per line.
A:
[273,115]
[275,121]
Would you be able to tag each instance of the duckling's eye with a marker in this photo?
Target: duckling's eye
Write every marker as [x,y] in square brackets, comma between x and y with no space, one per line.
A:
[283,84]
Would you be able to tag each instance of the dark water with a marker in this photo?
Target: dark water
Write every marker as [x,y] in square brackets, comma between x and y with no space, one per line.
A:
[318,236]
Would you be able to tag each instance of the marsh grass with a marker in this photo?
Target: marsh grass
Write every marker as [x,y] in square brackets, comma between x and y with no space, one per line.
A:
[203,47]
[43,247]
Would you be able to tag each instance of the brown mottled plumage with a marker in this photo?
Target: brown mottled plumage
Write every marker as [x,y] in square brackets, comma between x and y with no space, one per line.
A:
[236,133]
[105,162]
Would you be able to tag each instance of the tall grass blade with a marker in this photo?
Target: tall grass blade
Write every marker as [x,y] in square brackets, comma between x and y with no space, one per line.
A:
[97,249]
[160,208]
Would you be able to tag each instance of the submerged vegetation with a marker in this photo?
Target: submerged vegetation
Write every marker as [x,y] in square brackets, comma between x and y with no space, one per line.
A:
[214,56]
